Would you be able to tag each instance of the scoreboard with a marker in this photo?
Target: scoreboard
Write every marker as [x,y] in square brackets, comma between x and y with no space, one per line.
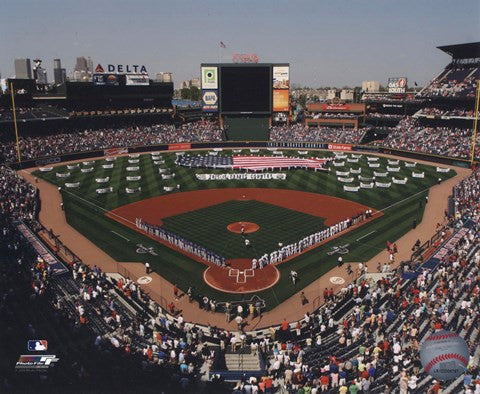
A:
[244,89]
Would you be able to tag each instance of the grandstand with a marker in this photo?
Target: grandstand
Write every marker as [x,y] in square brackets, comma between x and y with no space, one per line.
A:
[366,336]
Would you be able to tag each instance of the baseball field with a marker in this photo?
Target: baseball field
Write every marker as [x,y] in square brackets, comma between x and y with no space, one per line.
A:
[107,195]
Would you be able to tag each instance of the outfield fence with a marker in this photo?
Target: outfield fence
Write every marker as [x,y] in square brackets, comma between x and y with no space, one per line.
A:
[49,160]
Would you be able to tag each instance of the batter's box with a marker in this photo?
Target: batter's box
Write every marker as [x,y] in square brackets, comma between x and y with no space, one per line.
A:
[241,276]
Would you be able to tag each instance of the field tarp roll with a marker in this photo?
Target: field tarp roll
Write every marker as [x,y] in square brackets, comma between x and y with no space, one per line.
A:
[72,185]
[104,190]
[351,188]
[63,175]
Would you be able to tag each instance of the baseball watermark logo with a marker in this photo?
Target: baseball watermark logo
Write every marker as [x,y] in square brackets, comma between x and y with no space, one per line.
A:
[35,363]
[37,345]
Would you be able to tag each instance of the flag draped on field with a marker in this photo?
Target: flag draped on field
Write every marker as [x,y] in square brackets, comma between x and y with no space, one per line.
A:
[253,163]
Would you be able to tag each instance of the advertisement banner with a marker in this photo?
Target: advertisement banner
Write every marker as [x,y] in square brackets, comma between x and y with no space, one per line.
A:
[209,78]
[336,107]
[184,146]
[137,80]
[397,85]
[280,101]
[339,147]
[210,100]
[281,77]
[106,79]
[114,151]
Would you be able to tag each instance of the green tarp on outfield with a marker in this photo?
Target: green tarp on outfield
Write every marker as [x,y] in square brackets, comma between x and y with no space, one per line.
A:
[246,128]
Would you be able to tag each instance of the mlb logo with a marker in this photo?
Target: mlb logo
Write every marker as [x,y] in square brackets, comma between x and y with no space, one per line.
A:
[37,345]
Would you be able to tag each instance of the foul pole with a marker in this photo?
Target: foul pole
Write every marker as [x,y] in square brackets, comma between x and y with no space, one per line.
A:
[475,125]
[15,121]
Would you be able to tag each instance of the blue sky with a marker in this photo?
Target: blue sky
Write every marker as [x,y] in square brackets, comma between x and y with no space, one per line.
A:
[332,43]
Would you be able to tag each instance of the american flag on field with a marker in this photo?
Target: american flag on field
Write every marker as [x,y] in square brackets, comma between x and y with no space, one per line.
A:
[257,163]
[253,163]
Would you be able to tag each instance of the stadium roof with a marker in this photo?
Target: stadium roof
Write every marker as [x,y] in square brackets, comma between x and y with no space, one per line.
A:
[462,51]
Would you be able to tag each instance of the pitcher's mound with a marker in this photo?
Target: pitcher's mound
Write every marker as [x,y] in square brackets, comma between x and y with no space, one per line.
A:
[248,227]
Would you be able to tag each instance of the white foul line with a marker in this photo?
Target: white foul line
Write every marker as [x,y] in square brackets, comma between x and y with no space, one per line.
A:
[120,235]
[366,235]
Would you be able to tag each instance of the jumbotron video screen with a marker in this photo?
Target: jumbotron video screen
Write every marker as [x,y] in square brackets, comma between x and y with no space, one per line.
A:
[246,89]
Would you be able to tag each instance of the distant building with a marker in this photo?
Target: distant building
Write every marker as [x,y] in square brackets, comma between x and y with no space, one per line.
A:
[89,66]
[371,86]
[39,73]
[23,69]
[164,77]
[81,64]
[331,94]
[195,82]
[42,76]
[188,83]
[346,95]
[79,76]
[59,73]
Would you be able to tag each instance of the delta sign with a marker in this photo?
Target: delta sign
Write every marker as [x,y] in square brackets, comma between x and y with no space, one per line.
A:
[122,69]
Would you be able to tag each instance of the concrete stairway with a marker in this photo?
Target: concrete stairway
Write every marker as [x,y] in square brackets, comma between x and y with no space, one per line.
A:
[242,362]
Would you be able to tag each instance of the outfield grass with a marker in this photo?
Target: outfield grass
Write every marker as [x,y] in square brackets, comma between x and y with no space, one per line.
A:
[401,204]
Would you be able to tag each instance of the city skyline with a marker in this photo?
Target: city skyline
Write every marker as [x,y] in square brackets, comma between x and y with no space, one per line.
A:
[326,43]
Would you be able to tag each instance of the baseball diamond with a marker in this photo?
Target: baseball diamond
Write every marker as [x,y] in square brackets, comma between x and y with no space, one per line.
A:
[287,211]
[300,220]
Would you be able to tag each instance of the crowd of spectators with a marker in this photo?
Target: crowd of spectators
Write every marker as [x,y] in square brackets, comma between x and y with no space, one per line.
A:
[454,81]
[299,132]
[444,141]
[432,111]
[18,199]
[364,339]
[368,338]
[63,143]
[116,316]
[384,116]
[390,97]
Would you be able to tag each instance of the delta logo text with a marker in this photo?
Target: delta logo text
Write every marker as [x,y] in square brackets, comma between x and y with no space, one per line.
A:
[122,69]
[35,363]
[37,345]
